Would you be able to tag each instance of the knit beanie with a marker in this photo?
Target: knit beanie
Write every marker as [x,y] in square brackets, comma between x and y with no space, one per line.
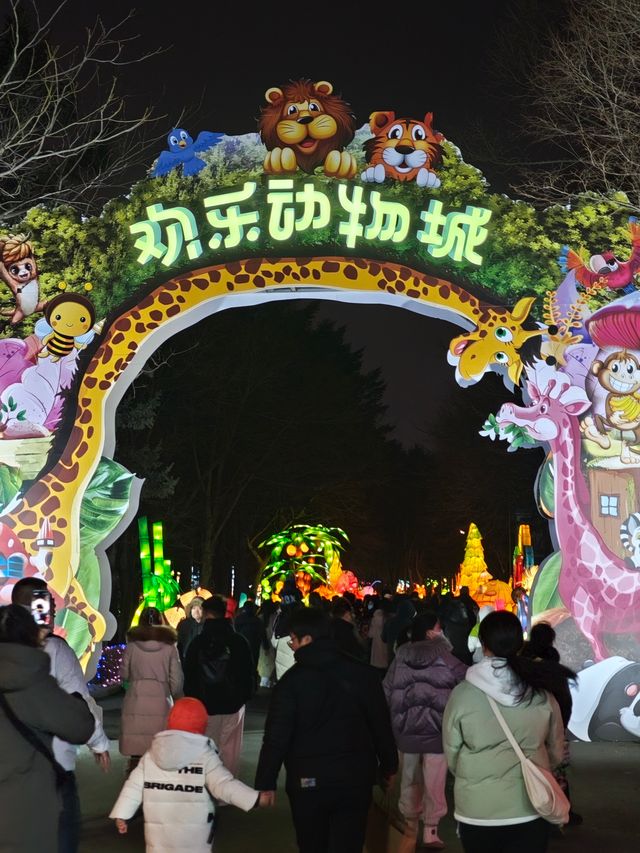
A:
[188,715]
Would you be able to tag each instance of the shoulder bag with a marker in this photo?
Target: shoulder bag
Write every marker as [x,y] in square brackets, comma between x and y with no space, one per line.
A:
[30,736]
[547,797]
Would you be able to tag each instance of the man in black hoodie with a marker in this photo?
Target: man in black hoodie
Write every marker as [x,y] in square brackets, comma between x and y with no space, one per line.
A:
[328,722]
[218,670]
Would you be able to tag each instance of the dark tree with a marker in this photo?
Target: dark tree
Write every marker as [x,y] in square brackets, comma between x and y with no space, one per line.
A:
[66,134]
[265,419]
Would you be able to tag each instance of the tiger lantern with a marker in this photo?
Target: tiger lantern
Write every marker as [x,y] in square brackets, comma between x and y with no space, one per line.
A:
[403,149]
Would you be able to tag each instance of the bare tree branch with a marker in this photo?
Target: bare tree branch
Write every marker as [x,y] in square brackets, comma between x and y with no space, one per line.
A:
[65,134]
[157,362]
[583,102]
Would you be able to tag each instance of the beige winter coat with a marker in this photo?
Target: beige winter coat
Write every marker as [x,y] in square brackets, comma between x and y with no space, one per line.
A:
[379,649]
[151,667]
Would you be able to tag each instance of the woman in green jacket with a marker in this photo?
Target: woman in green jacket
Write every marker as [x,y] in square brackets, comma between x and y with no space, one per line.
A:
[491,804]
[28,792]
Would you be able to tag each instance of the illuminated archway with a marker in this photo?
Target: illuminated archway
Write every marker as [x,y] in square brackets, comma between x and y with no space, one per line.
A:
[265,238]
[137,332]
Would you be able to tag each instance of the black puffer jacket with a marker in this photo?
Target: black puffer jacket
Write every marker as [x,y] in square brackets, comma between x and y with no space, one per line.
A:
[328,721]
[218,638]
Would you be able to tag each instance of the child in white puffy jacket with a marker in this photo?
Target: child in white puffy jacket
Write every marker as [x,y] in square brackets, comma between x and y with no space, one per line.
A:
[176,781]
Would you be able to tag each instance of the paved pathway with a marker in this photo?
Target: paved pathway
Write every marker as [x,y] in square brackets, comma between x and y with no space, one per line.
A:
[605,786]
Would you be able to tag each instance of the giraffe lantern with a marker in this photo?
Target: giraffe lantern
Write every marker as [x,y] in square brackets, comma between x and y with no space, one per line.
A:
[601,591]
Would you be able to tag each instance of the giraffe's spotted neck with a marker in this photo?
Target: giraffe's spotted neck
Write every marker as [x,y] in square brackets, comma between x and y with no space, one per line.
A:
[579,541]
[569,485]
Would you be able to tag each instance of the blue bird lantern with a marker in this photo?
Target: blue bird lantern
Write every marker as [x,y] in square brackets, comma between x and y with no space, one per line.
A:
[183,152]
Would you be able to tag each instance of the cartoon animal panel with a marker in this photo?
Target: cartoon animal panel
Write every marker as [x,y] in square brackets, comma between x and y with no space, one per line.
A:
[495,342]
[606,702]
[618,375]
[402,149]
[617,275]
[19,270]
[612,427]
[600,590]
[305,125]
[69,319]
[183,152]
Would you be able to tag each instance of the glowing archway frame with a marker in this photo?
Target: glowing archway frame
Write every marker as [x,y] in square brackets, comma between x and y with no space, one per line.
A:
[134,334]
[235,223]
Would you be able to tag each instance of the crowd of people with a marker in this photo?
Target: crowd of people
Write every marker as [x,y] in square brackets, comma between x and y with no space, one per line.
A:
[391,690]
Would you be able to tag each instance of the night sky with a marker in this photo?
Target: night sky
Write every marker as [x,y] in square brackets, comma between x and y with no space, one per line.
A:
[218,61]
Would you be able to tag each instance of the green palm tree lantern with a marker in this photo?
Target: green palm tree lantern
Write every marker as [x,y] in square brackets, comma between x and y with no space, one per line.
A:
[305,551]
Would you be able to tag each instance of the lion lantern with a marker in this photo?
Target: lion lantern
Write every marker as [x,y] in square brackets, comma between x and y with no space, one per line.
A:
[305,125]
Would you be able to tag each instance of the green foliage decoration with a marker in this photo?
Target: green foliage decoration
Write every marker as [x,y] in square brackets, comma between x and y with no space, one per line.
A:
[544,488]
[10,485]
[9,411]
[517,436]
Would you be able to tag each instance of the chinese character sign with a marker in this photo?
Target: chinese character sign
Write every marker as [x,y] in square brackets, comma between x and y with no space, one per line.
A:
[454,235]
[346,214]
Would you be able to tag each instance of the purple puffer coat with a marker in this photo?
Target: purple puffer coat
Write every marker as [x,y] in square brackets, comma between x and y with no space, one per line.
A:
[417,687]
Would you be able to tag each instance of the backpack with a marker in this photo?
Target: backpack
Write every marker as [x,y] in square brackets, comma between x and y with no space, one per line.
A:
[213,665]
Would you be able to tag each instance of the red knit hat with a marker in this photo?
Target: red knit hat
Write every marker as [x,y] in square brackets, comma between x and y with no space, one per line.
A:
[188,715]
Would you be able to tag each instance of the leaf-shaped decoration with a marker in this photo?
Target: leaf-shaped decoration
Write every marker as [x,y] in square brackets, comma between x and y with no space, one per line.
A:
[105,502]
[544,488]
[10,484]
[490,428]
[544,592]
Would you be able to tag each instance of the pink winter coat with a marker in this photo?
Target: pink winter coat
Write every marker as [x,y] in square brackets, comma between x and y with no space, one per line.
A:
[152,668]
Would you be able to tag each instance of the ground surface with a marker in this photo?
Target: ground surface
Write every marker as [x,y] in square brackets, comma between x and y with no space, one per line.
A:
[605,781]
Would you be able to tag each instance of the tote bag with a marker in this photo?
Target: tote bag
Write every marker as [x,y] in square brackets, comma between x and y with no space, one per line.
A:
[547,797]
